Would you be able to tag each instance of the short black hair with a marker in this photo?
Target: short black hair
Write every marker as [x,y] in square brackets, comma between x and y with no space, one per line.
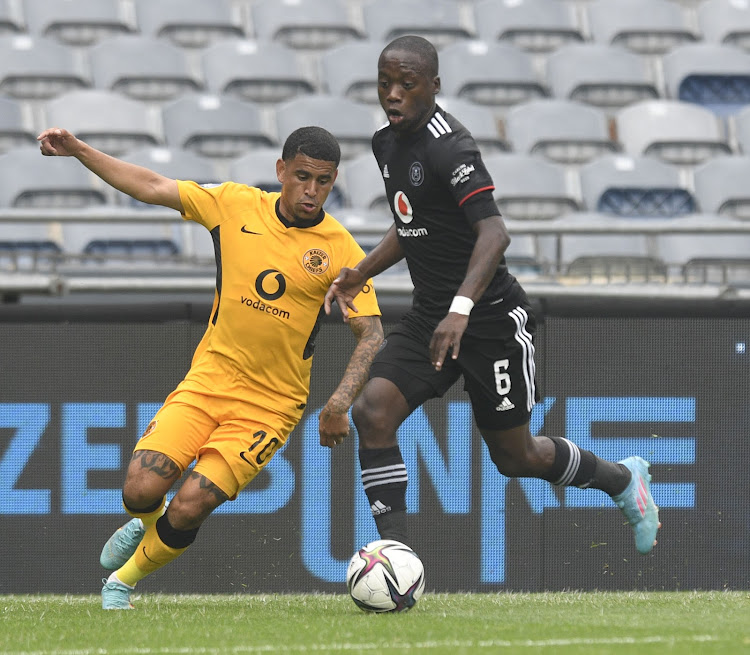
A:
[419,46]
[315,142]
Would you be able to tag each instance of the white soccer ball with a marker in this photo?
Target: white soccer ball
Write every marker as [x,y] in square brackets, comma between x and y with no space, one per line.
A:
[385,576]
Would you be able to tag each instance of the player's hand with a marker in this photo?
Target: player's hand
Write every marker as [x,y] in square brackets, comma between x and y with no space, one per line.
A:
[344,290]
[447,337]
[57,142]
[333,426]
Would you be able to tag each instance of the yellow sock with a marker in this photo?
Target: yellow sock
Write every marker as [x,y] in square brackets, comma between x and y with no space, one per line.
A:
[149,518]
[152,554]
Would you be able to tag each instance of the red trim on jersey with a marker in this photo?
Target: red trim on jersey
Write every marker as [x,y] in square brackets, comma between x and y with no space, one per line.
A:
[473,193]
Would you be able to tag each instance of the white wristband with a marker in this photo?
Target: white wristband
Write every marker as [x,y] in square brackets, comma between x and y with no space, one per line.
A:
[461,305]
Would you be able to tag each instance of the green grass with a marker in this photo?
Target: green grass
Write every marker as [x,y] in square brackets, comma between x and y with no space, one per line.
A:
[550,623]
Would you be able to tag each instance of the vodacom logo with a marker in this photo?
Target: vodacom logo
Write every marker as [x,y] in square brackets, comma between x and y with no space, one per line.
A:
[403,207]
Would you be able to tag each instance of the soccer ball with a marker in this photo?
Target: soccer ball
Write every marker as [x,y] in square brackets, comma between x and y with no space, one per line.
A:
[385,576]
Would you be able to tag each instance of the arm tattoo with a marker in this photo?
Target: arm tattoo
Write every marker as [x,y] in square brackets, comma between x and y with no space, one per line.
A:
[205,483]
[157,463]
[369,333]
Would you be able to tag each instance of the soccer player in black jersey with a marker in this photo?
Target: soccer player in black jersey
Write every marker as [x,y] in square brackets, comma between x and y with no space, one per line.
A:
[470,317]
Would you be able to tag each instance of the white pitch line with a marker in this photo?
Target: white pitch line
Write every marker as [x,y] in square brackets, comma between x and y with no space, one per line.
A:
[315,648]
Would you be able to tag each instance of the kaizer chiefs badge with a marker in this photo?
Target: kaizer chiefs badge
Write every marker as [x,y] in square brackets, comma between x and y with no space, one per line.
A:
[315,261]
[151,427]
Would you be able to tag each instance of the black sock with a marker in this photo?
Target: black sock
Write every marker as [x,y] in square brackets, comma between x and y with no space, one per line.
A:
[574,467]
[384,479]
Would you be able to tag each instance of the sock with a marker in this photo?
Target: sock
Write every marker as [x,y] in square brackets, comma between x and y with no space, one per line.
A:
[384,479]
[574,467]
[149,515]
[113,578]
[161,544]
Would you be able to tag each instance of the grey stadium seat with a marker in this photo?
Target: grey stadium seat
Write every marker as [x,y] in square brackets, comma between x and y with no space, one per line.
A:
[532,25]
[621,185]
[741,122]
[529,187]
[214,126]
[643,26]
[106,120]
[351,70]
[191,23]
[11,18]
[79,22]
[144,68]
[362,181]
[353,124]
[708,74]
[16,124]
[601,75]
[480,120]
[33,181]
[722,186]
[438,21]
[30,247]
[307,24]
[260,71]
[561,130]
[39,68]
[725,21]
[489,73]
[676,132]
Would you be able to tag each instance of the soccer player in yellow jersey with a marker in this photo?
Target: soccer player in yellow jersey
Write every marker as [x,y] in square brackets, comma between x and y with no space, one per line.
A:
[277,254]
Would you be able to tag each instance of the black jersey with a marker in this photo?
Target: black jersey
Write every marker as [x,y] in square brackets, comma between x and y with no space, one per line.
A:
[434,179]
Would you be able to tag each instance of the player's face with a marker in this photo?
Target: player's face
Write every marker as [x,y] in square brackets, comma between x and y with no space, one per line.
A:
[305,185]
[405,90]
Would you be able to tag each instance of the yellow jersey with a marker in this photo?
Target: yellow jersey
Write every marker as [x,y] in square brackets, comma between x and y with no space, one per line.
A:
[271,281]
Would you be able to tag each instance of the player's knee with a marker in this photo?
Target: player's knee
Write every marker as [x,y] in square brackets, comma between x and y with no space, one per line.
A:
[140,499]
[372,425]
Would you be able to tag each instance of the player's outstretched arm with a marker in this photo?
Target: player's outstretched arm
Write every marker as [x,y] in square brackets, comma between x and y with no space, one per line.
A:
[351,281]
[333,421]
[136,181]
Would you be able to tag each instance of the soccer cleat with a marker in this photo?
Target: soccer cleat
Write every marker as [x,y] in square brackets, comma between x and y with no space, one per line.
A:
[122,544]
[637,503]
[115,595]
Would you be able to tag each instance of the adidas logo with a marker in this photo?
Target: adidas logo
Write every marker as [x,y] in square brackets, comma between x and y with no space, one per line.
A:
[505,405]
[378,508]
[386,174]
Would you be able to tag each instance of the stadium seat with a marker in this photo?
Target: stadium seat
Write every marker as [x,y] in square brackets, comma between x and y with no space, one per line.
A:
[532,25]
[33,181]
[522,257]
[489,73]
[601,75]
[16,125]
[11,18]
[725,21]
[561,130]
[170,162]
[722,186]
[39,68]
[353,124]
[741,122]
[214,126]
[529,187]
[21,252]
[79,22]
[362,182]
[304,24]
[144,68]
[621,185]
[439,21]
[676,132]
[480,120]
[190,23]
[355,219]
[257,71]
[350,70]
[643,26]
[715,76]
[106,120]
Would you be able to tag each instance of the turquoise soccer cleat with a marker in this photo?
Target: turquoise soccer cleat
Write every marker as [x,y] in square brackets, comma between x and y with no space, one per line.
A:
[637,504]
[122,544]
[115,596]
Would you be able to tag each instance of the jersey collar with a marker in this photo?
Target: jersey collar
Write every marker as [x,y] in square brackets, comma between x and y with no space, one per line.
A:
[317,221]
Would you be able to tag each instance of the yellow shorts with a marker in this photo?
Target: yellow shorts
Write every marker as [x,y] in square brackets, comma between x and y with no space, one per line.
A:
[231,439]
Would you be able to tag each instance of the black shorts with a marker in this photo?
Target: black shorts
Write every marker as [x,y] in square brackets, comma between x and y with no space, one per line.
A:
[498,371]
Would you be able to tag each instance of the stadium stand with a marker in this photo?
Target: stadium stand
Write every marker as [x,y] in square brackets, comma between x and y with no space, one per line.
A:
[480,120]
[11,18]
[532,25]
[350,70]
[741,123]
[256,168]
[721,186]
[563,131]
[362,182]
[725,21]
[16,125]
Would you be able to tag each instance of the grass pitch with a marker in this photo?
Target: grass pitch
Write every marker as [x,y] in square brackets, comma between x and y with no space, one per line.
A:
[545,623]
